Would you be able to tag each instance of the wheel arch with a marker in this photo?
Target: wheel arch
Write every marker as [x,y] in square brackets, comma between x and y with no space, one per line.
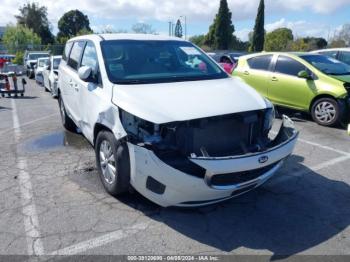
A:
[98,128]
[319,97]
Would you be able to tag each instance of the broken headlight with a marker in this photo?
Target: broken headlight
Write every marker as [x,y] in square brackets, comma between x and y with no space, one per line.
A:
[269,116]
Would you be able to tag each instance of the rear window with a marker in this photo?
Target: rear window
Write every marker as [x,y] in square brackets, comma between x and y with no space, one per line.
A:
[260,62]
[66,51]
[75,54]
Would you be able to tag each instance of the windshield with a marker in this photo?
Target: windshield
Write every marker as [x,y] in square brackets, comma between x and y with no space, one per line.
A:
[36,56]
[140,62]
[43,62]
[56,63]
[328,65]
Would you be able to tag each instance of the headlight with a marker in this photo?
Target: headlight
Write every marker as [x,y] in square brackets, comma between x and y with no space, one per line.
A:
[269,116]
[347,87]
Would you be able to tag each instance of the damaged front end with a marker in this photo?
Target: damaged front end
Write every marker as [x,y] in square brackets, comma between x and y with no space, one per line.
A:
[225,151]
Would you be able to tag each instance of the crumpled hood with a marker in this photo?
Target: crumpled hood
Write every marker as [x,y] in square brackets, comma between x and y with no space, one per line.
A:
[180,101]
[343,78]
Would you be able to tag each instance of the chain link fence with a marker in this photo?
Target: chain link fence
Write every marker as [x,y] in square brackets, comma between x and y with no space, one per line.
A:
[19,50]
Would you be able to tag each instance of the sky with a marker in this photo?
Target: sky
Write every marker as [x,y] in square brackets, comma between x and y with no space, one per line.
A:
[319,18]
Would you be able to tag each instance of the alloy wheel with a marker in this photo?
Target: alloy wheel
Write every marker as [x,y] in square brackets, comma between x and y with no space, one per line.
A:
[325,112]
[107,162]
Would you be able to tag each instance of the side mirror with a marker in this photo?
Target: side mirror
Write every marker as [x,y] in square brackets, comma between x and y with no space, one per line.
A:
[84,73]
[304,74]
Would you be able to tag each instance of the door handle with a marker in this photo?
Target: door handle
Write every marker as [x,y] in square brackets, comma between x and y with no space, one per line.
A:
[274,78]
[246,73]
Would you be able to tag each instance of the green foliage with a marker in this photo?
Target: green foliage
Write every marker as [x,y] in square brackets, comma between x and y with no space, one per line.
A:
[307,44]
[343,36]
[72,24]
[258,37]
[143,28]
[299,45]
[19,38]
[338,43]
[34,17]
[279,39]
[178,29]
[19,58]
[198,40]
[220,35]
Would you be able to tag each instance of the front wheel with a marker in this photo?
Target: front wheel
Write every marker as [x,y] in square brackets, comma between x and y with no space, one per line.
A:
[67,122]
[113,163]
[326,112]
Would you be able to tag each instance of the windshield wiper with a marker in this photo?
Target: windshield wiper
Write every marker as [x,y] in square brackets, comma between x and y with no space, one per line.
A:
[131,82]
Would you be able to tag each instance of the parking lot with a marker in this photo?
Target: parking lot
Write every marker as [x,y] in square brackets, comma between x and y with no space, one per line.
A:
[53,203]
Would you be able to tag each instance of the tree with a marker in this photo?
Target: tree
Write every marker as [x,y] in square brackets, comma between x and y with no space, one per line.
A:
[298,45]
[338,43]
[307,44]
[143,28]
[279,39]
[198,40]
[220,35]
[34,17]
[258,38]
[343,35]
[71,24]
[178,29]
[19,38]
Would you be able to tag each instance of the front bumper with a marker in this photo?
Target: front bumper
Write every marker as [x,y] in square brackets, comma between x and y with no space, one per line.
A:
[245,172]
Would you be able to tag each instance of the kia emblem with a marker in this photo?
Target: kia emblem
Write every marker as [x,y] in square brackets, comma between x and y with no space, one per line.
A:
[263,159]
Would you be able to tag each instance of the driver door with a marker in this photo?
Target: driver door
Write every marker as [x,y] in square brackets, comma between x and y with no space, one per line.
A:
[90,94]
[286,88]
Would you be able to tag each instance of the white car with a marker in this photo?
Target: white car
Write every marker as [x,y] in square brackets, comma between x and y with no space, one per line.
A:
[50,75]
[180,135]
[39,68]
[341,54]
[30,60]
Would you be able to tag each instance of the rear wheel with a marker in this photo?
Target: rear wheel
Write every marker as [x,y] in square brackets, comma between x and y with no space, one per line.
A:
[113,163]
[326,112]
[67,122]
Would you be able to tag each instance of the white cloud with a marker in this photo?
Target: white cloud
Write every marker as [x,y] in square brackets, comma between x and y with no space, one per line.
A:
[302,28]
[196,10]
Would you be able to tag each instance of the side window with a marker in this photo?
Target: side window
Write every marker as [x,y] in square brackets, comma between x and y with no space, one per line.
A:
[330,53]
[345,57]
[75,54]
[260,62]
[288,66]
[66,51]
[90,57]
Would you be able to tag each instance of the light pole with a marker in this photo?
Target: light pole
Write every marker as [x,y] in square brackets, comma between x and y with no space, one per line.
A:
[183,16]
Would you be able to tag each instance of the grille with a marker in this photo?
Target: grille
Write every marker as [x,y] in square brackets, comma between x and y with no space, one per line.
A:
[240,177]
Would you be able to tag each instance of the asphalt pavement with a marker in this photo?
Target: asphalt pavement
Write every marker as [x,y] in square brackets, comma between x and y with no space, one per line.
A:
[53,203]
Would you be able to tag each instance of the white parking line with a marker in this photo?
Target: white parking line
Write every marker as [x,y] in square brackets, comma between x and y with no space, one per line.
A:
[323,165]
[31,221]
[324,147]
[27,123]
[100,241]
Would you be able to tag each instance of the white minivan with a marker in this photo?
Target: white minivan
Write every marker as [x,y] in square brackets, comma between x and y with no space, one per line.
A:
[165,119]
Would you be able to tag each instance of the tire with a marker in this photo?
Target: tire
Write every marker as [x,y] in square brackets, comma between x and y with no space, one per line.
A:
[326,112]
[113,163]
[67,122]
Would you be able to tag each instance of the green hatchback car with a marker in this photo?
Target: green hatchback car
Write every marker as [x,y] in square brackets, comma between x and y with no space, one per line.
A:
[307,82]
